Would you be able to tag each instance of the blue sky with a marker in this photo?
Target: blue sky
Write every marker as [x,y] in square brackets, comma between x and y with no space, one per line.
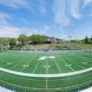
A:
[59,18]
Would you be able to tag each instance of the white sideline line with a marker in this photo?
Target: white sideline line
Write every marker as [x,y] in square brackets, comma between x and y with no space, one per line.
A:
[45,75]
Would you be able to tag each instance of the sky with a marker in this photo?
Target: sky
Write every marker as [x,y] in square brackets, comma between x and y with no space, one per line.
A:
[58,18]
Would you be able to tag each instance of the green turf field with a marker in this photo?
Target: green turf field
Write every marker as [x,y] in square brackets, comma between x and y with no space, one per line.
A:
[45,63]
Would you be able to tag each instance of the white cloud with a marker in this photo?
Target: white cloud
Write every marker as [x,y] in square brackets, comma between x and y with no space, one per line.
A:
[9,31]
[3,18]
[20,20]
[44,29]
[42,6]
[59,9]
[31,5]
[75,8]
[14,3]
[41,31]
[64,9]
[34,31]
[6,30]
[86,3]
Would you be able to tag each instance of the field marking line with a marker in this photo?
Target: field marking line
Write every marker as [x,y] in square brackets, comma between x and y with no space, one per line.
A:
[44,88]
[46,83]
[35,66]
[57,66]
[80,62]
[65,62]
[45,75]
[46,67]
[69,66]
[77,63]
[28,63]
[19,62]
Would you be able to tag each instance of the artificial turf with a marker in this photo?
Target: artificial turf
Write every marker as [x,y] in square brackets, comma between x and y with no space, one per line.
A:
[28,62]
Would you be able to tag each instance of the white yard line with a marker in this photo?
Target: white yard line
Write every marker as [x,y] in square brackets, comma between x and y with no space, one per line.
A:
[57,66]
[65,62]
[46,67]
[35,66]
[46,83]
[69,66]
[45,75]
[18,63]
[79,65]
[28,63]
[72,68]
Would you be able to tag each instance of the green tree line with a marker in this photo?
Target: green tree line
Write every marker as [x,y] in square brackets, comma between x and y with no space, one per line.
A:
[22,40]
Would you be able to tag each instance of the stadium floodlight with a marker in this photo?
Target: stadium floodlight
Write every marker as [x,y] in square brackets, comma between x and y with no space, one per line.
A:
[53,42]
[69,38]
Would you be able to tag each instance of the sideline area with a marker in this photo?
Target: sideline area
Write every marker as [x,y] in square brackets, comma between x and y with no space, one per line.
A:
[87,90]
[6,90]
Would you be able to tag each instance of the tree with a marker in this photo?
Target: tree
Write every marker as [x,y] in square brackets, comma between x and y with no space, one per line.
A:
[23,39]
[86,40]
[12,42]
[91,39]
[4,43]
[36,39]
